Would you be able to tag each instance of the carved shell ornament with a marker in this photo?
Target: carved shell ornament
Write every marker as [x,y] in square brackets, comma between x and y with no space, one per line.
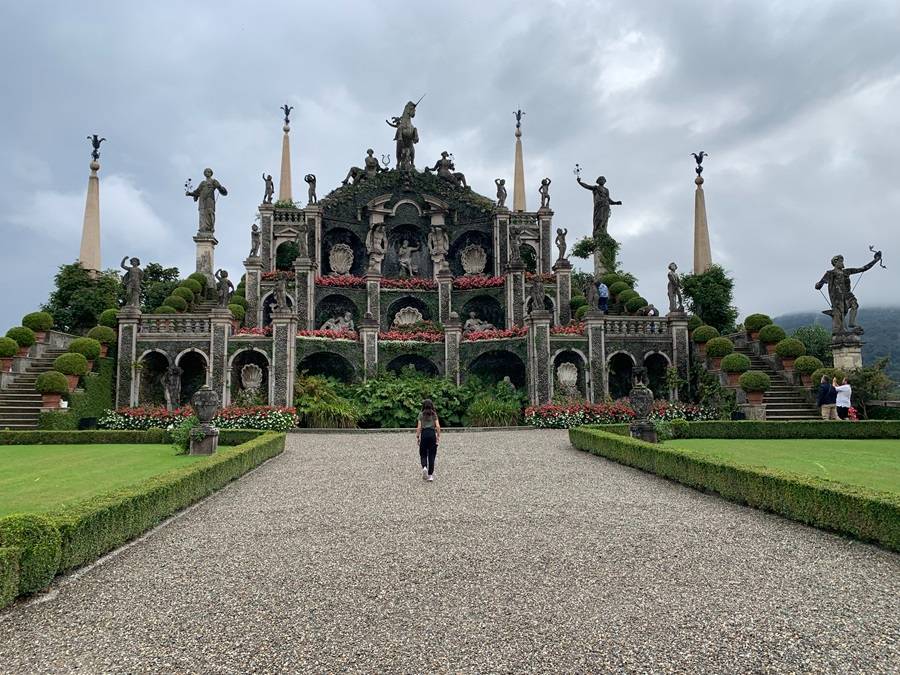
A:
[473,259]
[251,377]
[567,374]
[340,257]
[407,317]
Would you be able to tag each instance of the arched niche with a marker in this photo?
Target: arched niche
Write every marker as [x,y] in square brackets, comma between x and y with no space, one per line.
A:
[194,373]
[406,301]
[416,238]
[335,305]
[619,369]
[529,255]
[467,238]
[151,387]
[576,358]
[285,254]
[549,304]
[341,235]
[419,363]
[494,365]
[268,303]
[486,308]
[657,364]
[243,358]
[327,364]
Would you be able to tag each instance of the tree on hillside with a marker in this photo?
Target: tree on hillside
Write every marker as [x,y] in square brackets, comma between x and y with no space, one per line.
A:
[78,298]
[709,296]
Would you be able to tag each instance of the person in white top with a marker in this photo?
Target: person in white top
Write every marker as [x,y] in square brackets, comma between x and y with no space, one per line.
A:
[843,397]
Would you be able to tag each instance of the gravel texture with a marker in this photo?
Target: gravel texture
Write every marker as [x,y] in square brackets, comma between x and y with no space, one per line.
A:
[523,555]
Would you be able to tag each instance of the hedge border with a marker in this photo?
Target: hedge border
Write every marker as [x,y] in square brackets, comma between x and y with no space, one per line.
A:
[227,437]
[100,524]
[757,429]
[868,515]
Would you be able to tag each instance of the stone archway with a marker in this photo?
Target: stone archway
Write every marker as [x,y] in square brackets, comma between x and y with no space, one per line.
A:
[327,364]
[421,365]
[619,369]
[151,384]
[577,359]
[657,364]
[236,388]
[494,365]
[470,238]
[335,305]
[285,255]
[341,235]
[406,301]
[486,308]
[194,373]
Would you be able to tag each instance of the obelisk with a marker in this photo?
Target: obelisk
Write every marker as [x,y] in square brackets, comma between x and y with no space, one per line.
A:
[519,172]
[284,186]
[89,254]
[702,253]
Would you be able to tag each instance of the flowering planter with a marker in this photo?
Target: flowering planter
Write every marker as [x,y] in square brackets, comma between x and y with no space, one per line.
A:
[733,379]
[6,365]
[715,363]
[104,350]
[50,400]
[788,364]
[806,379]
[73,382]
[755,397]
[770,349]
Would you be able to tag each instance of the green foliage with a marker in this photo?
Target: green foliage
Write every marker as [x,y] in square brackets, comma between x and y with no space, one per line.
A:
[9,574]
[71,364]
[710,392]
[807,365]
[755,381]
[870,383]
[103,334]
[618,287]
[817,341]
[176,303]
[38,321]
[626,295]
[8,347]
[239,300]
[51,382]
[487,411]
[611,278]
[634,304]
[184,293]
[78,299]
[576,302]
[754,322]
[287,204]
[199,277]
[181,434]
[719,346]
[709,295]
[237,312]
[790,348]
[704,333]
[157,283]
[69,437]
[164,309]
[769,429]
[584,248]
[38,543]
[109,318]
[771,334]
[23,336]
[694,322]
[581,311]
[830,373]
[319,406]
[285,256]
[735,363]
[87,347]
[193,285]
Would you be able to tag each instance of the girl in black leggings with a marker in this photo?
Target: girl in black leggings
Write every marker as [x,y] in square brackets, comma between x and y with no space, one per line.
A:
[428,435]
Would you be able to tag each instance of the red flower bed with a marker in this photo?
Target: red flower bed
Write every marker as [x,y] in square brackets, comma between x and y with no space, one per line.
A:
[479,281]
[575,328]
[548,278]
[342,281]
[412,335]
[281,274]
[331,334]
[255,331]
[411,284]
[496,334]
[550,416]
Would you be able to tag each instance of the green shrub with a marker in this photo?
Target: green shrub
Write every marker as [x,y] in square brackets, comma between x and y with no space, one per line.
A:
[239,300]
[618,287]
[790,348]
[184,293]
[807,365]
[8,347]
[103,334]
[51,382]
[195,286]
[703,334]
[735,362]
[769,429]
[87,347]
[199,277]
[755,381]
[155,436]
[237,312]
[634,304]
[754,322]
[177,303]
[9,575]
[109,318]
[164,309]
[38,544]
[319,406]
[38,321]
[71,364]
[627,295]
[23,336]
[576,302]
[611,278]
[830,373]
[694,323]
[181,434]
[486,411]
[719,347]
[771,334]
[581,311]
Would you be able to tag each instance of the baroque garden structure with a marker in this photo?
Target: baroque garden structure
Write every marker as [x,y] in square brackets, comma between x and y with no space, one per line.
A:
[339,287]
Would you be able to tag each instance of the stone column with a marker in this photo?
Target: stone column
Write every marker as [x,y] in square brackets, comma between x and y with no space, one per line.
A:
[452,340]
[445,294]
[305,292]
[595,327]
[519,175]
[206,250]
[368,335]
[89,254]
[266,236]
[501,245]
[284,185]
[219,332]
[284,345]
[252,291]
[681,344]
[314,227]
[515,294]
[545,227]
[373,295]
[847,353]
[563,271]
[126,382]
[538,322]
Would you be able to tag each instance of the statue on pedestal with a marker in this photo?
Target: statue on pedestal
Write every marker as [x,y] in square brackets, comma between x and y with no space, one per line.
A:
[515,245]
[132,281]
[95,146]
[501,191]
[445,169]
[438,246]
[254,241]
[302,240]
[561,242]
[406,136]
[224,288]
[404,253]
[372,168]
[602,202]
[172,387]
[537,293]
[205,196]
[545,193]
[376,246]
[280,293]
[840,294]
[676,299]
[592,295]
[270,188]
[311,191]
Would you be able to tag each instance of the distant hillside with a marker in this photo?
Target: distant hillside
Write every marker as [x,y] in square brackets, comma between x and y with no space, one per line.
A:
[882,336]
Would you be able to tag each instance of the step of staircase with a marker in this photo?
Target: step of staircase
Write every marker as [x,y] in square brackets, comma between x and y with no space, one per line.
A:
[784,400]
[20,404]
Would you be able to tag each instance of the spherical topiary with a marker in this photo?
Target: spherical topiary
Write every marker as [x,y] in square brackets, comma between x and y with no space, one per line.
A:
[771,334]
[627,295]
[618,287]
[719,346]
[755,380]
[830,373]
[790,348]
[581,311]
[89,348]
[634,304]
[199,277]
[51,382]
[694,323]
[8,347]
[735,362]
[576,302]
[703,334]
[184,293]
[611,278]
[192,284]
[103,334]
[237,312]
[807,365]
[241,290]
[40,546]
[109,319]
[71,364]
[754,322]
[164,309]
[38,321]
[176,303]
[24,337]
[238,300]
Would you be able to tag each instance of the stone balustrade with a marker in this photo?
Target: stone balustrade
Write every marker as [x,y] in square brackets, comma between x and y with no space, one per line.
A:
[173,323]
[637,325]
[288,216]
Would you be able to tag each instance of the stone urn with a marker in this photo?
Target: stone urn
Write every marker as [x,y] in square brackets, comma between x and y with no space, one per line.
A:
[205,437]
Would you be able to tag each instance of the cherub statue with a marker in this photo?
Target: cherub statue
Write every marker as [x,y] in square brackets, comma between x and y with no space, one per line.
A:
[561,242]
[311,192]
[132,281]
[280,294]
[224,287]
[545,193]
[501,191]
[270,188]
[254,241]
[676,299]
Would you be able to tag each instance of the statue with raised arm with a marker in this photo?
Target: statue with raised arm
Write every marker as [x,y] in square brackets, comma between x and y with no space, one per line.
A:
[561,242]
[406,136]
[676,298]
[132,281]
[840,294]
[404,254]
[270,188]
[602,202]
[254,241]
[501,191]
[95,146]
[205,196]
[310,179]
[224,288]
[302,241]
[445,169]
[545,193]
[376,246]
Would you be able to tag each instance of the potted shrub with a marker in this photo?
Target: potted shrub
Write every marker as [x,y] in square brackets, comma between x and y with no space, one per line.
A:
[734,365]
[632,305]
[105,335]
[195,286]
[789,349]
[717,348]
[770,335]
[702,335]
[830,373]
[806,365]
[73,366]
[89,348]
[175,302]
[618,287]
[184,293]
[580,312]
[109,318]
[754,323]
[8,349]
[693,324]
[755,383]
[23,336]
[52,386]
[39,322]
[238,313]
[164,309]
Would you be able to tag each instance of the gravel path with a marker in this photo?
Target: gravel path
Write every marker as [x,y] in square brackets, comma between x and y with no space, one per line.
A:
[523,555]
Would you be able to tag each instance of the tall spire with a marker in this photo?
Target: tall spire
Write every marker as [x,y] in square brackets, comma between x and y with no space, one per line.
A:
[702,253]
[519,173]
[284,186]
[89,254]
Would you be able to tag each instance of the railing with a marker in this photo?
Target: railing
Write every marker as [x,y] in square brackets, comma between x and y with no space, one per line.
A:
[168,323]
[288,216]
[637,326]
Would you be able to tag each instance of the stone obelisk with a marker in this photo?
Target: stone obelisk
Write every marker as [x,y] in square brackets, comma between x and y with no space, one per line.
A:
[702,253]
[519,172]
[89,254]
[284,186]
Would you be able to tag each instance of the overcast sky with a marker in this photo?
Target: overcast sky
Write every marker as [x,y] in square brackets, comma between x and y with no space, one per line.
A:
[795,102]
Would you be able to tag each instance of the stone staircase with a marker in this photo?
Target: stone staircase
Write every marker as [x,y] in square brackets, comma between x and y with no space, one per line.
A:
[20,404]
[784,401]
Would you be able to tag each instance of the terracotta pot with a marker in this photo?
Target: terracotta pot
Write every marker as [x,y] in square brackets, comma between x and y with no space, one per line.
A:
[770,349]
[701,347]
[104,350]
[755,397]
[788,364]
[40,336]
[733,379]
[50,400]
[806,379]
[23,351]
[90,365]
[754,335]
[6,365]
[715,363]
[73,381]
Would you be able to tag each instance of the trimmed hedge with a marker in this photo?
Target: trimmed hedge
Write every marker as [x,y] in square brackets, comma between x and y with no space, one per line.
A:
[51,382]
[576,302]
[237,312]
[760,430]
[626,295]
[704,333]
[736,363]
[8,347]
[611,278]
[164,309]
[807,365]
[830,373]
[199,277]
[195,286]
[694,323]
[634,304]
[581,311]
[755,380]
[37,541]
[239,300]
[156,436]
[866,514]
[173,301]
[89,348]
[184,293]
[790,348]
[71,364]
[109,318]
[23,336]
[754,322]
[771,334]
[618,287]
[103,334]
[719,347]
[38,321]
[9,574]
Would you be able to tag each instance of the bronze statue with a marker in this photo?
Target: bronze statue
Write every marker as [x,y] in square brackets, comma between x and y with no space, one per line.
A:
[545,193]
[501,191]
[602,203]
[698,156]
[205,196]
[132,281]
[287,113]
[224,287]
[840,294]
[676,299]
[406,136]
[311,191]
[95,144]
[172,387]
[270,188]
[254,241]
[518,114]
[445,169]
[561,242]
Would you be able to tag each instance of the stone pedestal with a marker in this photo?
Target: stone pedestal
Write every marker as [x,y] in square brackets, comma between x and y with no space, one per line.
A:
[847,353]
[284,344]
[452,339]
[501,241]
[220,331]
[594,327]
[599,267]
[204,440]
[753,411]
[252,291]
[445,292]
[681,343]
[373,295]
[538,323]
[314,227]
[644,431]
[305,292]
[545,227]
[126,382]
[206,249]
[563,271]
[368,335]
[515,294]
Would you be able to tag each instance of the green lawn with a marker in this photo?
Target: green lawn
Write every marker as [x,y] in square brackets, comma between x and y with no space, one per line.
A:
[45,477]
[874,464]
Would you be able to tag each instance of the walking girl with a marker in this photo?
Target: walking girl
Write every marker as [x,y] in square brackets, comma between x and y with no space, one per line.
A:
[428,435]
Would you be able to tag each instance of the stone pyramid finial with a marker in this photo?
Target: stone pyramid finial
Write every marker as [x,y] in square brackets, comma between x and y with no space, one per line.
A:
[89,254]
[284,186]
[519,171]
